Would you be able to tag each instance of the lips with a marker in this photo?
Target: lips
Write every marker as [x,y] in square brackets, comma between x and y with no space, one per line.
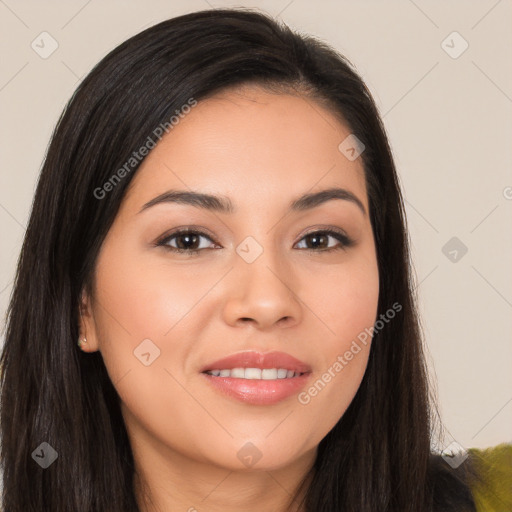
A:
[253,390]
[252,359]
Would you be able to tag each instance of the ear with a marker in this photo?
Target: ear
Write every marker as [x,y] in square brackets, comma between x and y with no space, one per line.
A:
[86,324]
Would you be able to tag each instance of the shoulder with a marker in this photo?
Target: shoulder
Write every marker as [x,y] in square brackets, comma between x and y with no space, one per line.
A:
[451,485]
[481,482]
[491,483]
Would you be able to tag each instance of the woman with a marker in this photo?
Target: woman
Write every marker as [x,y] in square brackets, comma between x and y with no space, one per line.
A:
[230,357]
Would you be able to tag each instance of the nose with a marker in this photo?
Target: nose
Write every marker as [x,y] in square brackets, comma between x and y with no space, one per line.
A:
[262,293]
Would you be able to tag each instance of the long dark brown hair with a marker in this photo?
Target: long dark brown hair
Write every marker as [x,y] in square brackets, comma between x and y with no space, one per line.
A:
[377,457]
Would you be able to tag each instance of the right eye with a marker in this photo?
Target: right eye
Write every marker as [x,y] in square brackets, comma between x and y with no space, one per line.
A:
[186,241]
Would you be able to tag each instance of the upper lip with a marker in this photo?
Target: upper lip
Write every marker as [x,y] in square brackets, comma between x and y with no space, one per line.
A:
[251,359]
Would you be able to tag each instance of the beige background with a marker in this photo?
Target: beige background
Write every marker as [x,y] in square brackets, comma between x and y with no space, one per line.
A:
[449,121]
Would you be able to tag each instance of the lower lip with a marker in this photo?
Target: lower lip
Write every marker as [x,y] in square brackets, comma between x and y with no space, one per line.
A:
[258,391]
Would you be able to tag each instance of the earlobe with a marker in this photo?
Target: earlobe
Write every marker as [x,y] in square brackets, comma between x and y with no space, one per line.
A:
[87,341]
[82,342]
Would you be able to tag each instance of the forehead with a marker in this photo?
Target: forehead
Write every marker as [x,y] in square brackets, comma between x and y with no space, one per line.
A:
[251,144]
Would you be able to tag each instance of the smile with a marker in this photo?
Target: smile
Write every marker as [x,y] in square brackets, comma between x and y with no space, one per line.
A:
[255,373]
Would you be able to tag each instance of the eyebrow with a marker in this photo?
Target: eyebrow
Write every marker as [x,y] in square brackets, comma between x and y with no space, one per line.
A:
[223,204]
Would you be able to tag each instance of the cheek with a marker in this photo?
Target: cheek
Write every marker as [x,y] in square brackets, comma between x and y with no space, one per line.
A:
[141,316]
[139,300]
[344,298]
[346,302]
[142,295]
[352,305]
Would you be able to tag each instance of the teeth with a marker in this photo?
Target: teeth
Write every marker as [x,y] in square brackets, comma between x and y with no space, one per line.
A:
[238,373]
[250,373]
[269,373]
[255,373]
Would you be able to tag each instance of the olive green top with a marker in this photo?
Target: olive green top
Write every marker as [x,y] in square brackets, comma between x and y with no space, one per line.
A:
[492,492]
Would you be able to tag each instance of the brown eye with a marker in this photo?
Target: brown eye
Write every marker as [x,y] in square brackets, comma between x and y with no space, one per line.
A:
[321,239]
[189,241]
[186,241]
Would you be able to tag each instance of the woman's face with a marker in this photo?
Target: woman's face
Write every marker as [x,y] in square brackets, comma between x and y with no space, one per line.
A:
[265,278]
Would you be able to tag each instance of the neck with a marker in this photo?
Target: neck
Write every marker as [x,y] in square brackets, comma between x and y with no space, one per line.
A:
[170,481]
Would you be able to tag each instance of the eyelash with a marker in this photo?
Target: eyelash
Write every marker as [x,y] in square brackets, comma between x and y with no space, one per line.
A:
[344,240]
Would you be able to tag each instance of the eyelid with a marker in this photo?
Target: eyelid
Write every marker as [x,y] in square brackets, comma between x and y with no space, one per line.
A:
[185,229]
[335,232]
[325,228]
[329,230]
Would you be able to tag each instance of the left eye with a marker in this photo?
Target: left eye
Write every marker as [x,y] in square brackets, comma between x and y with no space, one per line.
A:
[317,236]
[187,240]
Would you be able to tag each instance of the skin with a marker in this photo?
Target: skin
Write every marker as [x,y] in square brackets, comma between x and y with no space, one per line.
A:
[262,150]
